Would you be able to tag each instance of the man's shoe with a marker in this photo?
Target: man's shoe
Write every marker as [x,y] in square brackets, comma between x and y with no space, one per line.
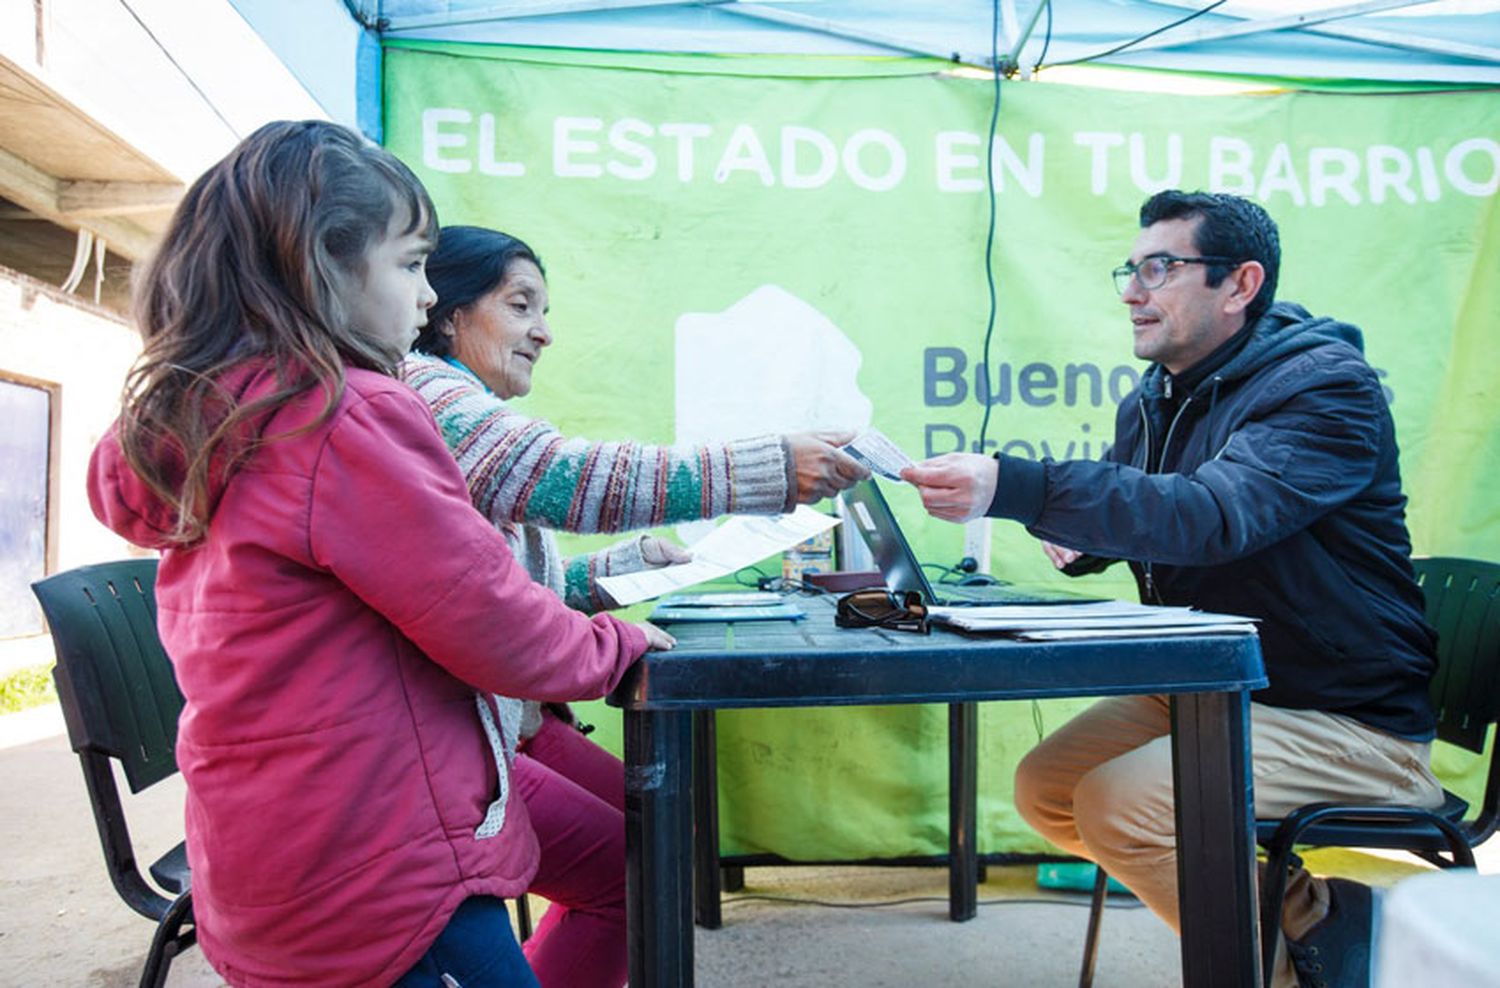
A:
[1336,952]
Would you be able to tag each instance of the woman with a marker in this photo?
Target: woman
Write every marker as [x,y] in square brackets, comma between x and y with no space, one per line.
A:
[480,349]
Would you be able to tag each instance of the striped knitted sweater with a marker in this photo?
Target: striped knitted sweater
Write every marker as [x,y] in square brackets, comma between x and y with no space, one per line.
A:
[526,477]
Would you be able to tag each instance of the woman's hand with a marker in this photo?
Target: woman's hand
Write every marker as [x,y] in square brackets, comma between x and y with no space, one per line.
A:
[657,640]
[822,468]
[657,552]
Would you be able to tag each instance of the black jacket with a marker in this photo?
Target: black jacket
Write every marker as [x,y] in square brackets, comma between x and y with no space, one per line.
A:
[1270,489]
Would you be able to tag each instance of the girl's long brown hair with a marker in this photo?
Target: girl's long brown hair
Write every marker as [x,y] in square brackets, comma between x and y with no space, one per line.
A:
[259,264]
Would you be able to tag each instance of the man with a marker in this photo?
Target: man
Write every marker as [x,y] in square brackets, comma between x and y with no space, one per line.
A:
[1253,472]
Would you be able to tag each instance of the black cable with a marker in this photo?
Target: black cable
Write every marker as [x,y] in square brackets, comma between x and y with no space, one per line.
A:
[989,239]
[760,575]
[1046,40]
[945,571]
[152,35]
[801,586]
[1136,41]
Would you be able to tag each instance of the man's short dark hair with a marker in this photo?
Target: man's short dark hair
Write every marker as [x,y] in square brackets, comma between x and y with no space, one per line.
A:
[1231,227]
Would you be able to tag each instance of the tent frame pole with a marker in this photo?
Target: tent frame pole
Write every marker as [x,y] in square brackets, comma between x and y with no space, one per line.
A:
[517,10]
[823,25]
[1318,22]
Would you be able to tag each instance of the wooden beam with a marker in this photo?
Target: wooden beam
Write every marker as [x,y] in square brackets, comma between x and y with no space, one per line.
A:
[33,189]
[25,184]
[83,198]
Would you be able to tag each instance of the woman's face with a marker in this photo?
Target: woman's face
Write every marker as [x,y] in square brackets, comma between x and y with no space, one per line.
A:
[500,335]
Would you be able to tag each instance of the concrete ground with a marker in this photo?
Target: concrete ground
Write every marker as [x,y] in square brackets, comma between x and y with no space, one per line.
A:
[61,923]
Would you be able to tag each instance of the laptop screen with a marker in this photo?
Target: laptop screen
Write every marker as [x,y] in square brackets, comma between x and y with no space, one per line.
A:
[872,516]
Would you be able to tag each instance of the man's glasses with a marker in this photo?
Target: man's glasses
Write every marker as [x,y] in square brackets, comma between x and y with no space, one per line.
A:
[1152,273]
[882,609]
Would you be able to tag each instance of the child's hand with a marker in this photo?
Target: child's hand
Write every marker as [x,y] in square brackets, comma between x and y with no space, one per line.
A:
[657,640]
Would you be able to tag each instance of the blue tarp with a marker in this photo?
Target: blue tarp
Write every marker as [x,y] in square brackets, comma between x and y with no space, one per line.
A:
[1447,42]
[1399,41]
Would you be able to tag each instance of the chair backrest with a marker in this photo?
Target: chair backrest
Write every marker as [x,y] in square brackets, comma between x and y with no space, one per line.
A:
[1463,604]
[115,684]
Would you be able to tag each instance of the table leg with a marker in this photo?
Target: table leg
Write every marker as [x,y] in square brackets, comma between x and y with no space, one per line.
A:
[706,879]
[963,797]
[658,848]
[1215,840]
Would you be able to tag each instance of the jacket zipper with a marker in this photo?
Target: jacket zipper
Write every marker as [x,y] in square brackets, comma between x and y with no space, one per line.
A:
[1150,578]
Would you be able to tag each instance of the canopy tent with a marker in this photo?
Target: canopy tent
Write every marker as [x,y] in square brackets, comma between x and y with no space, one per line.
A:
[699,175]
[1401,41]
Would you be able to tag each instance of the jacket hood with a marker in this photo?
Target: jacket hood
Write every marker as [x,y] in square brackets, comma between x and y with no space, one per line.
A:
[122,501]
[1285,328]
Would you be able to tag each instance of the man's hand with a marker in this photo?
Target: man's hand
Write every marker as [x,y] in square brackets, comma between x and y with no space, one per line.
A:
[822,469]
[657,552]
[657,640]
[955,486]
[1060,555]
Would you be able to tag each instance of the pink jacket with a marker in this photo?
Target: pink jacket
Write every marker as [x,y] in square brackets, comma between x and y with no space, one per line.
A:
[329,635]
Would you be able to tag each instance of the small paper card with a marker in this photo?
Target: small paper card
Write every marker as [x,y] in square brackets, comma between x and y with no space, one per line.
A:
[876,451]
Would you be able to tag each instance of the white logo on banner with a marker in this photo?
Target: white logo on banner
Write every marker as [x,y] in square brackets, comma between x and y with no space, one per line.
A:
[769,363]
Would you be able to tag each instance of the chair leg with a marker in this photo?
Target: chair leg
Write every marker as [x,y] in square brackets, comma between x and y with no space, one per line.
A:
[169,941]
[523,917]
[1279,858]
[1096,915]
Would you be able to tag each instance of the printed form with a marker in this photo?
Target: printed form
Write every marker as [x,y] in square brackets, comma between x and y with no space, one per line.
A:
[743,540]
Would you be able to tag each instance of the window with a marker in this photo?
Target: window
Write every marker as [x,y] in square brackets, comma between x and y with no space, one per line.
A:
[26,516]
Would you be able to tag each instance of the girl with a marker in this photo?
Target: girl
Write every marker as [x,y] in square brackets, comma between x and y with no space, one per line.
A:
[480,349]
[330,599]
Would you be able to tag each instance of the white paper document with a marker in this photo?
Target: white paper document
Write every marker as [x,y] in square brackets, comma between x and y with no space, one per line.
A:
[1095,619]
[1074,634]
[876,451]
[743,540]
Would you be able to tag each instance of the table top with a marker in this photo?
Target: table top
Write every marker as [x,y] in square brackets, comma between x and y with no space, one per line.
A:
[812,662]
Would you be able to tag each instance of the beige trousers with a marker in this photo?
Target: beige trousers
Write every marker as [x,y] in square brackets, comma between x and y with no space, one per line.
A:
[1100,787]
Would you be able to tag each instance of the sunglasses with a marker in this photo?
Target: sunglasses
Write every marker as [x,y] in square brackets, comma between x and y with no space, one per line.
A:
[882,609]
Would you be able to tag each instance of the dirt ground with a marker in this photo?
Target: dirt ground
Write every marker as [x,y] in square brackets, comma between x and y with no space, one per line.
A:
[62,925]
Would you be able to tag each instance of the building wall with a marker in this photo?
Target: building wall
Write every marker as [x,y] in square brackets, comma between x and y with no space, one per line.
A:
[179,82]
[57,339]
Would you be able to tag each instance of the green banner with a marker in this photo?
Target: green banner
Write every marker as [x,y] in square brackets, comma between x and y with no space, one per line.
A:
[737,245]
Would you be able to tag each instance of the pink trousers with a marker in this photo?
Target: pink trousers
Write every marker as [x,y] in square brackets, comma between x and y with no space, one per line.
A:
[575,794]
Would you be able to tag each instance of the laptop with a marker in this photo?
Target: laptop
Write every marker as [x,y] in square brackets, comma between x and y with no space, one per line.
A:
[871,515]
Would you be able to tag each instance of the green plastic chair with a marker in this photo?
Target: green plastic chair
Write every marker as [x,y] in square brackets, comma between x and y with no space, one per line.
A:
[1463,604]
[120,701]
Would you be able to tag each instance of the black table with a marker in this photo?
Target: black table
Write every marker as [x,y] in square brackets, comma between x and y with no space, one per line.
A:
[812,663]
